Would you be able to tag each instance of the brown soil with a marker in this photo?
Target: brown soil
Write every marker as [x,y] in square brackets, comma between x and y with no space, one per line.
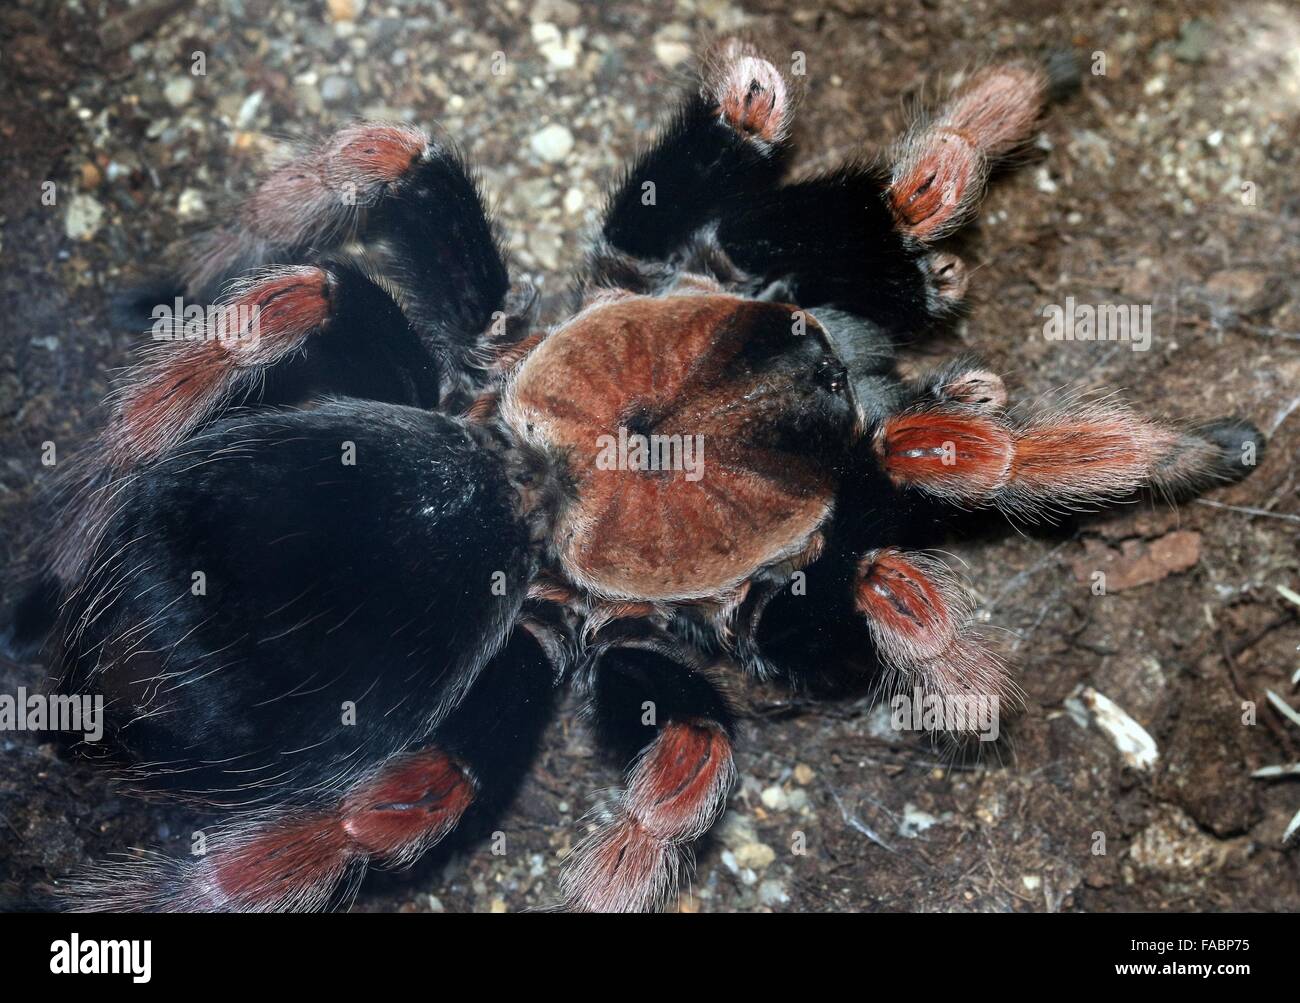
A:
[1142,193]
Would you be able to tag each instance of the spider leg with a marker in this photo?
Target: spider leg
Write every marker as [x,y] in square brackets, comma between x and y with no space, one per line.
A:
[724,144]
[655,707]
[312,856]
[940,167]
[956,444]
[853,612]
[284,338]
[278,339]
[317,200]
[404,202]
[858,237]
[921,622]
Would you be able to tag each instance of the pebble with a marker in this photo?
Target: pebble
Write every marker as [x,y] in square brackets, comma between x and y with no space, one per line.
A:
[545,245]
[335,88]
[309,96]
[552,143]
[1248,290]
[85,214]
[756,856]
[774,798]
[772,893]
[179,90]
[345,10]
[914,821]
[672,45]
[736,830]
[248,110]
[560,51]
[563,12]
[573,201]
[191,205]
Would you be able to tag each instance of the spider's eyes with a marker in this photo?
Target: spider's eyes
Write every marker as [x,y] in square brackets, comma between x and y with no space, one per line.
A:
[832,376]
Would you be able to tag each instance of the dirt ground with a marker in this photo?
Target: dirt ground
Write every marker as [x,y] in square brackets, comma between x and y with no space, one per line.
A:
[1168,180]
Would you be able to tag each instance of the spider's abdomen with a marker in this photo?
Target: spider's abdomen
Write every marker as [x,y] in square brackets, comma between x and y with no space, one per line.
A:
[292,595]
[700,432]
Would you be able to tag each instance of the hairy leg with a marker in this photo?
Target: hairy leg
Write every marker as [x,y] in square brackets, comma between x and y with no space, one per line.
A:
[278,339]
[859,237]
[313,855]
[956,443]
[724,145]
[285,338]
[921,622]
[656,707]
[409,206]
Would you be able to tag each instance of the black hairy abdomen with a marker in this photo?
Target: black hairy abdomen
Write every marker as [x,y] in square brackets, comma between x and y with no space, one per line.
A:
[382,584]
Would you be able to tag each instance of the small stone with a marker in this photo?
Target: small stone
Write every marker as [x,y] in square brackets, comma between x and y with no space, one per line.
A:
[191,205]
[335,88]
[735,830]
[179,90]
[803,774]
[562,12]
[535,193]
[345,10]
[772,893]
[914,821]
[84,217]
[774,798]
[560,52]
[1172,845]
[552,143]
[671,45]
[498,905]
[755,856]
[91,176]
[573,201]
[310,99]
[1194,41]
[248,110]
[544,245]
[1138,562]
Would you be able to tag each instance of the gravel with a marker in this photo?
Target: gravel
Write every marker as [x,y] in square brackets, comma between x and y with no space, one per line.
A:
[1168,180]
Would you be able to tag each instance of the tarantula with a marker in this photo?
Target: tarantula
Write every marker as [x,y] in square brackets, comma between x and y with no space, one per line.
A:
[326,573]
